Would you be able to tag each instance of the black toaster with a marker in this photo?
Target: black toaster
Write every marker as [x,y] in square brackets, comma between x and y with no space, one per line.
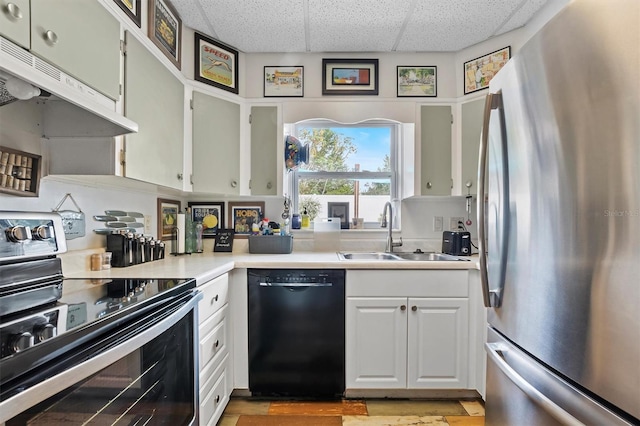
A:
[456,243]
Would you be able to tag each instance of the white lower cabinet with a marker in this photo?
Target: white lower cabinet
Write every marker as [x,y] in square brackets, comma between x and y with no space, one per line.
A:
[213,354]
[407,329]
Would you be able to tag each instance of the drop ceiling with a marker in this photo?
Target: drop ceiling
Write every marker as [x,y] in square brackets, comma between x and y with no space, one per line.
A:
[253,26]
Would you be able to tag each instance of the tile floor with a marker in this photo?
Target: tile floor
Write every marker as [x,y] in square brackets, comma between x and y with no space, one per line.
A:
[353,412]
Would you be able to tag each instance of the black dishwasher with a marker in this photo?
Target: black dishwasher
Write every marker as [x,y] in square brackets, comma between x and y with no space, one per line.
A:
[296,332]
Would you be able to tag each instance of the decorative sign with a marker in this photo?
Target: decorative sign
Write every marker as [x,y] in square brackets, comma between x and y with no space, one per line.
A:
[209,214]
[479,72]
[224,241]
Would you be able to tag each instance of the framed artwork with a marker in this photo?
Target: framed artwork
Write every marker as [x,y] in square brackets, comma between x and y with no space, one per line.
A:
[479,72]
[349,77]
[339,210]
[417,81]
[210,215]
[132,9]
[283,82]
[167,217]
[216,64]
[165,29]
[243,214]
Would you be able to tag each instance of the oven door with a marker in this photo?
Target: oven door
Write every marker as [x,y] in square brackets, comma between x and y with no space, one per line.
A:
[142,372]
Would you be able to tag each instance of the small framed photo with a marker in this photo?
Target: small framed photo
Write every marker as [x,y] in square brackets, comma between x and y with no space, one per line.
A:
[417,81]
[349,77]
[283,81]
[132,9]
[165,29]
[243,214]
[210,215]
[479,72]
[167,217]
[339,210]
[216,64]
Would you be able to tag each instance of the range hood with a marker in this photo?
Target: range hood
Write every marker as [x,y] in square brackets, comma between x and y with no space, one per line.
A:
[64,99]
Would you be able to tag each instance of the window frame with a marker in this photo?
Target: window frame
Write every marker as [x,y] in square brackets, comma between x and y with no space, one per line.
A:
[394,159]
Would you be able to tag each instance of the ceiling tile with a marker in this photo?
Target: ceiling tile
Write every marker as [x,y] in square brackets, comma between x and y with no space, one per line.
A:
[356,25]
[258,25]
[522,16]
[451,25]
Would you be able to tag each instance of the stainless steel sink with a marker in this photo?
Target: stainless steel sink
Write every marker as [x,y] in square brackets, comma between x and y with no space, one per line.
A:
[429,257]
[368,256]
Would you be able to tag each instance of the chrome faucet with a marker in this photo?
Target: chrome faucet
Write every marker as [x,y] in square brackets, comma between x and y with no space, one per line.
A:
[390,243]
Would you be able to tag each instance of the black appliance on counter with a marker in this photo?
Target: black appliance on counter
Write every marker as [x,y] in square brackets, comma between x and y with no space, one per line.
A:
[296,332]
[99,351]
[456,243]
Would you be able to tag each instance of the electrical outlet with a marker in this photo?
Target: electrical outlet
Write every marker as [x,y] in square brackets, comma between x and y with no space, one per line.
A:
[437,223]
[147,223]
[453,222]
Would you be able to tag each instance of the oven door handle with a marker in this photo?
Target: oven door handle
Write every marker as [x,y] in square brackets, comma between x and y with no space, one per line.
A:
[24,400]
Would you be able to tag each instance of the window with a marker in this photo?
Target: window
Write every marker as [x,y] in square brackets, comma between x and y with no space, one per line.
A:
[352,164]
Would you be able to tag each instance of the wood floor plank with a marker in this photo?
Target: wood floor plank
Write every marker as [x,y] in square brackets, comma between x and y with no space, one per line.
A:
[289,420]
[319,408]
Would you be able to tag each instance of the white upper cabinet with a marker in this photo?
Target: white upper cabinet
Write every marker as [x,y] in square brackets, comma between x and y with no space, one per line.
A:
[471,131]
[435,158]
[216,145]
[80,37]
[154,98]
[15,21]
[264,150]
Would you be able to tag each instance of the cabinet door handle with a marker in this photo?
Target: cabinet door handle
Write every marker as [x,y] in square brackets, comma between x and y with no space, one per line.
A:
[180,176]
[14,11]
[269,185]
[215,299]
[234,183]
[216,344]
[51,37]
[403,307]
[217,399]
[414,308]
[429,185]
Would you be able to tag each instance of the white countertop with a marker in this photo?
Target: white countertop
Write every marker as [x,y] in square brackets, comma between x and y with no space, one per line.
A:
[206,266]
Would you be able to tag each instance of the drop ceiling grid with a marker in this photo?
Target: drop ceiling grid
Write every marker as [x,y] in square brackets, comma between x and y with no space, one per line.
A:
[355,26]
[258,25]
[522,15]
[451,25]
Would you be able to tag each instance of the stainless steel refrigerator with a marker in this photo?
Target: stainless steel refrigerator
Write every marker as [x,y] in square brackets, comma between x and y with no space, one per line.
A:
[560,234]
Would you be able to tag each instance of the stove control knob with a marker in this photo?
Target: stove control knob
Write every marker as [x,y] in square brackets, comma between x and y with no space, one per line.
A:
[42,232]
[18,233]
[45,332]
[21,341]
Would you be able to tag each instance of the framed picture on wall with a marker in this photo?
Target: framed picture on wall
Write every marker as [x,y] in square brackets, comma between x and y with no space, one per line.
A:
[478,72]
[132,9]
[210,215]
[165,29]
[349,77]
[283,81]
[167,217]
[216,64]
[242,215]
[417,81]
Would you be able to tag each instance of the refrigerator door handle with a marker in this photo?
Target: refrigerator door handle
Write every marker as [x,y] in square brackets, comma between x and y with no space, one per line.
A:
[492,298]
[495,352]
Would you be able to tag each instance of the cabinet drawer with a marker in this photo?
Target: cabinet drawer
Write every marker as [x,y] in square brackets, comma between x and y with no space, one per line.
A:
[213,337]
[214,395]
[215,294]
